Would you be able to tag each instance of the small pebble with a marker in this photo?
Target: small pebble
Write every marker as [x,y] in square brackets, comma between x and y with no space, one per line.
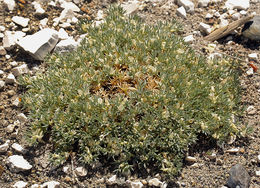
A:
[191,159]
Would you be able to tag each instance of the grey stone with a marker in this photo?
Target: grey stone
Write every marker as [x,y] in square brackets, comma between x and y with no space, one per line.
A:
[20,184]
[19,20]
[22,69]
[50,184]
[66,46]
[44,41]
[4,147]
[235,4]
[10,39]
[17,163]
[238,176]
[9,4]
[251,29]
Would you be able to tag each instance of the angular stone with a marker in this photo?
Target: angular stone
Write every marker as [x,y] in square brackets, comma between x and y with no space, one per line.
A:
[22,118]
[238,177]
[22,69]
[188,39]
[10,39]
[2,84]
[191,159]
[17,163]
[10,128]
[38,8]
[66,46]
[2,50]
[19,20]
[44,41]
[4,147]
[135,184]
[253,56]
[181,12]
[51,184]
[187,4]
[130,7]
[205,28]
[20,184]
[81,171]
[10,79]
[154,182]
[233,150]
[69,6]
[63,34]
[9,4]
[235,4]
[203,3]
[18,148]
[112,180]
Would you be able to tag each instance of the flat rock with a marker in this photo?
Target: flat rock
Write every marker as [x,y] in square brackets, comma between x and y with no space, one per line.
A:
[9,4]
[203,3]
[2,84]
[187,4]
[18,148]
[135,184]
[19,20]
[112,180]
[44,41]
[20,184]
[81,171]
[10,38]
[10,79]
[235,4]
[38,8]
[69,6]
[181,12]
[50,184]
[17,163]
[130,7]
[238,177]
[154,182]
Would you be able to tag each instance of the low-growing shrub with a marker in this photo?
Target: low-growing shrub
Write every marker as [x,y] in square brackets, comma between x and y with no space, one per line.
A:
[132,94]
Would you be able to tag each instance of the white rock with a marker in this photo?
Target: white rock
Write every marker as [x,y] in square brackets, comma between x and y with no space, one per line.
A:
[70,6]
[130,7]
[10,79]
[10,39]
[257,173]
[205,28]
[17,163]
[1,35]
[135,184]
[203,3]
[35,186]
[63,34]
[66,46]
[235,4]
[188,38]
[38,8]
[253,56]
[13,63]
[16,102]
[214,56]
[4,147]
[181,12]
[188,5]
[154,182]
[191,159]
[65,25]
[18,148]
[7,56]
[43,23]
[243,12]
[20,184]
[231,12]
[2,28]
[258,158]
[236,16]
[44,41]
[112,180]
[52,3]
[2,50]
[223,22]
[66,169]
[233,150]
[1,72]
[251,110]
[100,15]
[21,117]
[2,84]
[250,72]
[81,171]
[10,128]
[208,16]
[51,184]
[22,69]
[217,14]
[10,4]
[19,20]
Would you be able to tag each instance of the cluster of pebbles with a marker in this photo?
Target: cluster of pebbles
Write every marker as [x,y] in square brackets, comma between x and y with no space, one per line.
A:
[31,30]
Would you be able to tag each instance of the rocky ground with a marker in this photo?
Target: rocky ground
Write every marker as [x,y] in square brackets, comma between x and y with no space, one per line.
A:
[208,165]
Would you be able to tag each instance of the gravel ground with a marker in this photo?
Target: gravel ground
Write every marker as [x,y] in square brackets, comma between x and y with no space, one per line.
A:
[205,172]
